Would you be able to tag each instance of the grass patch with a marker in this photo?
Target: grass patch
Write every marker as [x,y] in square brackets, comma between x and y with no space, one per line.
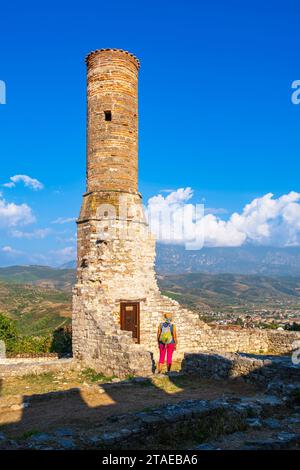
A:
[165,384]
[90,375]
[216,424]
[130,377]
[39,379]
[147,409]
[145,383]
[29,384]
[29,433]
[296,396]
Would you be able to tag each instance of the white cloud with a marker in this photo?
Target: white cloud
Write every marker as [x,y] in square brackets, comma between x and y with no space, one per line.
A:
[38,233]
[173,201]
[271,221]
[62,220]
[47,258]
[12,214]
[65,254]
[171,219]
[265,221]
[67,238]
[167,190]
[215,210]
[26,180]
[11,251]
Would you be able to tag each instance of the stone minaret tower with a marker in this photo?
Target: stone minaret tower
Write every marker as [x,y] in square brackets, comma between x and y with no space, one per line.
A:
[116,305]
[112,150]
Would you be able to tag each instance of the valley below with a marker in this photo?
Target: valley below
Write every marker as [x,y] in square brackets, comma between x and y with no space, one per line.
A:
[39,298]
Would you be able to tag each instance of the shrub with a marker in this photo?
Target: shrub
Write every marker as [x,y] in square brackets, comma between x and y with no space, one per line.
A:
[62,340]
[92,376]
[30,345]
[8,331]
[292,327]
[296,396]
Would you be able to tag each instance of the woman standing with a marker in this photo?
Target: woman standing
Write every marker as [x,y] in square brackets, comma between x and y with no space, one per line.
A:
[167,342]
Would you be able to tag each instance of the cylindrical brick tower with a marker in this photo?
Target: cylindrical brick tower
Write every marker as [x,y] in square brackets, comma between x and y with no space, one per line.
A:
[112,121]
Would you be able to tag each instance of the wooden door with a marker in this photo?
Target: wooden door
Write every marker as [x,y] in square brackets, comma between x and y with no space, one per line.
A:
[130,319]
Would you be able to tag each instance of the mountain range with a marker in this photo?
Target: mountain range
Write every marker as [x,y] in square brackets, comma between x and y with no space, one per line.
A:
[206,291]
[269,261]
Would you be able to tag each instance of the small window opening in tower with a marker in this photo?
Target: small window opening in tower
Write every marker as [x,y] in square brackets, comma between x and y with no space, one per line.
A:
[107,115]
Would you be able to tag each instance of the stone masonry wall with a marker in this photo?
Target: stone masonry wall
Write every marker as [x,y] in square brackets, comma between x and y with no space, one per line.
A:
[276,374]
[115,270]
[109,350]
[248,340]
[19,367]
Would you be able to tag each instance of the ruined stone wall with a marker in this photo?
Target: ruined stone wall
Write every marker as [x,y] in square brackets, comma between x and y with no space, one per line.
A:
[282,342]
[250,340]
[274,373]
[22,366]
[107,349]
[115,270]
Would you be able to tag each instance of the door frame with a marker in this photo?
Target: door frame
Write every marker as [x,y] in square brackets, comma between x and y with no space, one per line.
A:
[123,303]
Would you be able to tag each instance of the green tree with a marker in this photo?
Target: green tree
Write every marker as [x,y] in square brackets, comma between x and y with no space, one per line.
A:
[62,340]
[8,331]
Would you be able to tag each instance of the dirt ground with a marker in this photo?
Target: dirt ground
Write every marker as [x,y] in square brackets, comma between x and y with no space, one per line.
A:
[79,399]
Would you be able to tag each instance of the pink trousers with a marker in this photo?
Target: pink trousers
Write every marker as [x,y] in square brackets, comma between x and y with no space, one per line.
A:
[166,349]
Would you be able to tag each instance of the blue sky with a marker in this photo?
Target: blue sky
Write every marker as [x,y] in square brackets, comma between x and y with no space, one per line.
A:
[214,101]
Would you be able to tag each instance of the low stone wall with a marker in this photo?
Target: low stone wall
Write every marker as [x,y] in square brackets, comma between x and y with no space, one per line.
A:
[277,374]
[169,425]
[204,338]
[19,367]
[36,356]
[111,351]
[250,340]
[281,342]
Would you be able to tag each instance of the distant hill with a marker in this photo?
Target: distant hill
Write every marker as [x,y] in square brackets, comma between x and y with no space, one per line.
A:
[39,297]
[42,276]
[69,265]
[36,310]
[220,291]
[269,261]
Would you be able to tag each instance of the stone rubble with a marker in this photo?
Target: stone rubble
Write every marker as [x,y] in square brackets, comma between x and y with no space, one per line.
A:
[276,374]
[182,421]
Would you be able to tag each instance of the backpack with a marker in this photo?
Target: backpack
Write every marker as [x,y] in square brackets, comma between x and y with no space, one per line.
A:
[166,335]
